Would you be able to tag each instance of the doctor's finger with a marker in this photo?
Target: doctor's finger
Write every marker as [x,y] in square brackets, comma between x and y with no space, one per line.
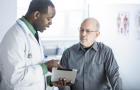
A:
[54,84]
[64,81]
[59,66]
[69,83]
[61,82]
[56,60]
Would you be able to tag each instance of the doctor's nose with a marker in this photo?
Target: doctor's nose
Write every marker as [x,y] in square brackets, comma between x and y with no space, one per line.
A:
[50,22]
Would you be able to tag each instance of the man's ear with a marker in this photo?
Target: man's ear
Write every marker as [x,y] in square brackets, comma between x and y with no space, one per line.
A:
[97,34]
[36,15]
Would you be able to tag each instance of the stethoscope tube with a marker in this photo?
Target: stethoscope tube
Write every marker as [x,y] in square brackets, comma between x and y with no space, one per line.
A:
[28,53]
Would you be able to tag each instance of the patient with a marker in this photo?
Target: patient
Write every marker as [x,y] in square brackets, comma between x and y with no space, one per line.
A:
[95,61]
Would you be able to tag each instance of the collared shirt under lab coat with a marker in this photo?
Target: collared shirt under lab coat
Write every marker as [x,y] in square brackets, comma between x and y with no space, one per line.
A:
[18,71]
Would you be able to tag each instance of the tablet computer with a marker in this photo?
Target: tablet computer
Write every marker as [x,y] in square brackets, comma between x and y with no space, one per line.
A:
[69,74]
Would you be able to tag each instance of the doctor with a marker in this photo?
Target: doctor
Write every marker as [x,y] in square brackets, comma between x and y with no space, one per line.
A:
[21,54]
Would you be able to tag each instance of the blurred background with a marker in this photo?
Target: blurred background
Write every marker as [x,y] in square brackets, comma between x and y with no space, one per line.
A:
[119,26]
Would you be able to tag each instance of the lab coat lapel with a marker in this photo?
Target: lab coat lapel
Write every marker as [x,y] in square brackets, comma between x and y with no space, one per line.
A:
[31,36]
[29,33]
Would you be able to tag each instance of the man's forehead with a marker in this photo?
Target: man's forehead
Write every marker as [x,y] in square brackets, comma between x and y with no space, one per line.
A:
[51,11]
[90,21]
[88,24]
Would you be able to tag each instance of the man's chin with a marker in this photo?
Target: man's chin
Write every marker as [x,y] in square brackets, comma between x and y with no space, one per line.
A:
[84,44]
[42,30]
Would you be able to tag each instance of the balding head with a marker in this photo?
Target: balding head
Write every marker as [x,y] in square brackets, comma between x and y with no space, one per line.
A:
[89,31]
[91,22]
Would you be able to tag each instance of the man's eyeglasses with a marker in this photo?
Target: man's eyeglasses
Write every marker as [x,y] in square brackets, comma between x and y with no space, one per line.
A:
[87,31]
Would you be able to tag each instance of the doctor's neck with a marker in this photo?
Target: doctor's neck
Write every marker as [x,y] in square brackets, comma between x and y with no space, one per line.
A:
[29,18]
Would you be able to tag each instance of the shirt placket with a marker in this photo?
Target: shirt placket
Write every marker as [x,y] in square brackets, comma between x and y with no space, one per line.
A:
[86,66]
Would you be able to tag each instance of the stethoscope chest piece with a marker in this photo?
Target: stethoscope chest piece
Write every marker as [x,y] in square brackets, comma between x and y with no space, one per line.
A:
[29,55]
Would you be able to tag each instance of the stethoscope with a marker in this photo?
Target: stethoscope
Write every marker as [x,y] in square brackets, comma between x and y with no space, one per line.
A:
[28,51]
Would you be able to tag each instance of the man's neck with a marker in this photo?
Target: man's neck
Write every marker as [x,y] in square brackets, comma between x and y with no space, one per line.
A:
[88,46]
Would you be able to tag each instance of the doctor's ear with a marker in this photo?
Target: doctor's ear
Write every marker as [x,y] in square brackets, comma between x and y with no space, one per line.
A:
[36,15]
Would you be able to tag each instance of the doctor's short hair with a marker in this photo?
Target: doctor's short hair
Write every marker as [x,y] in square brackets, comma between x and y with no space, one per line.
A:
[40,5]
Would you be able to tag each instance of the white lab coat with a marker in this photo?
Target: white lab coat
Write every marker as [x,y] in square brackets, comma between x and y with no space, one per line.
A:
[18,71]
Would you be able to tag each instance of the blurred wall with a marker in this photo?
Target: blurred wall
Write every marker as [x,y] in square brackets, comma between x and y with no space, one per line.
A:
[8,13]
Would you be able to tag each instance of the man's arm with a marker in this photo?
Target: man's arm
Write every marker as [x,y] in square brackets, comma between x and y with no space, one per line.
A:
[112,71]
[64,63]
[64,59]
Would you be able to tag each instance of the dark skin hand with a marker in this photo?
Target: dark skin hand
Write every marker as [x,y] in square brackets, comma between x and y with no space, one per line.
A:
[52,63]
[61,83]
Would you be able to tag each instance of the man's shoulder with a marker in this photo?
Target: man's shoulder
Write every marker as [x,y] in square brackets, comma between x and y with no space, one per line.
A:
[74,47]
[102,46]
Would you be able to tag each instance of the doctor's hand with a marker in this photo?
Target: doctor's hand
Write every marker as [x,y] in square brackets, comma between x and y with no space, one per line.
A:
[52,63]
[61,83]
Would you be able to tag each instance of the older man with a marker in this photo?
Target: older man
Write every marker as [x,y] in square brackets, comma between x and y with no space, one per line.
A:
[94,61]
